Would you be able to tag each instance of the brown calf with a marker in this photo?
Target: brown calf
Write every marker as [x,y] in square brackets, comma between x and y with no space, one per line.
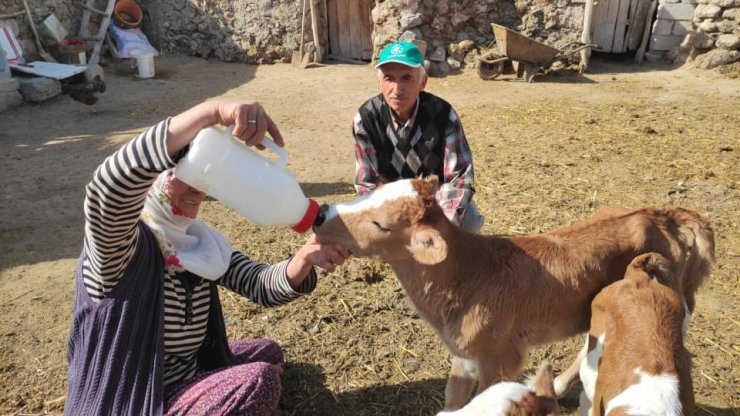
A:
[636,362]
[491,298]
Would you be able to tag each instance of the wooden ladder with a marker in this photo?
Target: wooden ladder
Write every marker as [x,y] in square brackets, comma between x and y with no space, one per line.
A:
[89,10]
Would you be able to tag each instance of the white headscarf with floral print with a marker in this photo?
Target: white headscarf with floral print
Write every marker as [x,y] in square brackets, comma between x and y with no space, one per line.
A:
[186,243]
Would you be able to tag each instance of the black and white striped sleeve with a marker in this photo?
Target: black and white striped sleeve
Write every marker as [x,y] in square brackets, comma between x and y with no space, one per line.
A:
[264,284]
[113,202]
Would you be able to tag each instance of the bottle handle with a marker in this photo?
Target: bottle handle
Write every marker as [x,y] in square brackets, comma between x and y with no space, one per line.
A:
[269,144]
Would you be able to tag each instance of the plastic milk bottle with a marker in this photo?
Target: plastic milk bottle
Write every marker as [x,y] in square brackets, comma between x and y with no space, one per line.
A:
[254,186]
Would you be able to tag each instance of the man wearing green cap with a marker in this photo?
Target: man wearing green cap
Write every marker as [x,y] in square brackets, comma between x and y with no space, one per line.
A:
[405,132]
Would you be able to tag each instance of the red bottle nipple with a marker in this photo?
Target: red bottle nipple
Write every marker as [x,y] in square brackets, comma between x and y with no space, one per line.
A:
[309,217]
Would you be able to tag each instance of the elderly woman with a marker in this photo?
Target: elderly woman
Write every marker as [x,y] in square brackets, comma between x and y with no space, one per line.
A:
[148,334]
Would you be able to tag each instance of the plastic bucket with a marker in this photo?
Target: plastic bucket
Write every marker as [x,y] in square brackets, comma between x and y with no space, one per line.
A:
[127,14]
[144,64]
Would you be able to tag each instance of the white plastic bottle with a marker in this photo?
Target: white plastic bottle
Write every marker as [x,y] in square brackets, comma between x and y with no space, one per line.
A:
[254,186]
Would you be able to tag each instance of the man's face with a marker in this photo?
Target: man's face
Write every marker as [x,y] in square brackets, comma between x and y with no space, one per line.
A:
[183,196]
[401,86]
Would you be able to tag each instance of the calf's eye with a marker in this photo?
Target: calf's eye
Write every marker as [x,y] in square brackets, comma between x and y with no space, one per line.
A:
[381,228]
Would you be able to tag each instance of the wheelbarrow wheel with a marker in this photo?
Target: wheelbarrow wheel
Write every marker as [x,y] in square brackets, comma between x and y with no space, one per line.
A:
[490,66]
[490,71]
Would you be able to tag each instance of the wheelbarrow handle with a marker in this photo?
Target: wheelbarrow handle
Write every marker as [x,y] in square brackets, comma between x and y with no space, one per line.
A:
[493,61]
[582,47]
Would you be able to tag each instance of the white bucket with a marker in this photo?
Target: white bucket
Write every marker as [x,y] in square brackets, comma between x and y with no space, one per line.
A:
[144,63]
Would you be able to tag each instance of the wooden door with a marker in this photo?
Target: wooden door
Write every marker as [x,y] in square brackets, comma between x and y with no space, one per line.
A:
[617,25]
[350,29]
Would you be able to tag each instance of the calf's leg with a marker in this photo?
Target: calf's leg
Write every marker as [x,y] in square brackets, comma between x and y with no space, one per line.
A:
[460,384]
[566,379]
[502,364]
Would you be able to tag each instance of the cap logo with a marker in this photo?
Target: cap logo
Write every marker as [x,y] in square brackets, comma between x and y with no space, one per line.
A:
[397,49]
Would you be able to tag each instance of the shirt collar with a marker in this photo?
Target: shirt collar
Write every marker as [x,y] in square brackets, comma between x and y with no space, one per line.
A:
[410,122]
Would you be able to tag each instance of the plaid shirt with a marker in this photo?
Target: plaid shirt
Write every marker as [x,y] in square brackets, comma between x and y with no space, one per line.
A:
[457,189]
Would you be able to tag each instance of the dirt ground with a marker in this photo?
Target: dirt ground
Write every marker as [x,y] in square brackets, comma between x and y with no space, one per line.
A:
[547,154]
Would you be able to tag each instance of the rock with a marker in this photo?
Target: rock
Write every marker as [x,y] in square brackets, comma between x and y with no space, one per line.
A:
[715,58]
[453,63]
[438,54]
[730,42]
[726,26]
[707,11]
[438,69]
[459,50]
[702,41]
[410,21]
[422,45]
[38,89]
[10,99]
[653,57]
[8,84]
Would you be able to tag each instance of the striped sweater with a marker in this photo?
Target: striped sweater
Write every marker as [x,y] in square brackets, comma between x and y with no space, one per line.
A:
[114,200]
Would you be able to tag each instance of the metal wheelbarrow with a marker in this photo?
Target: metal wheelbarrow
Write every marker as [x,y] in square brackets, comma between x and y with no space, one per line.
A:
[527,55]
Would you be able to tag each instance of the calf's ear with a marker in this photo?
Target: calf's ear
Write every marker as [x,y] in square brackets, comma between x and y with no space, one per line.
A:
[427,246]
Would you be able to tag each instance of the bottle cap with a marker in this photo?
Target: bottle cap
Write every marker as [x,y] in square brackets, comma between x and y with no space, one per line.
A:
[309,217]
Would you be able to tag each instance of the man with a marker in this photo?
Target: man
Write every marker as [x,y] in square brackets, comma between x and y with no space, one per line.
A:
[405,132]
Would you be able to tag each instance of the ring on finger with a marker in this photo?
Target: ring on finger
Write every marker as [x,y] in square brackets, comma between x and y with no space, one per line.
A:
[252,121]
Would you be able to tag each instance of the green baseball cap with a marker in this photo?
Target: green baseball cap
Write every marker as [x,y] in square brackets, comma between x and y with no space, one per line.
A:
[405,53]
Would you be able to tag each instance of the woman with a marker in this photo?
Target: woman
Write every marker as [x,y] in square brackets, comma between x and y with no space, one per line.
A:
[148,335]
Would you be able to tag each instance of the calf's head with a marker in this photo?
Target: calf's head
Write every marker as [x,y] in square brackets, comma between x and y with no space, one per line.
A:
[649,266]
[397,221]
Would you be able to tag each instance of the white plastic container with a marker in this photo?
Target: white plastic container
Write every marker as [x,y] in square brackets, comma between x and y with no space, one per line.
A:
[144,63]
[254,186]
[52,31]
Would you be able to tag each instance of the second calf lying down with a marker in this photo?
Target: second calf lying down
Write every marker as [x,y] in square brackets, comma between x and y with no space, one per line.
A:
[491,298]
[506,398]
[637,363]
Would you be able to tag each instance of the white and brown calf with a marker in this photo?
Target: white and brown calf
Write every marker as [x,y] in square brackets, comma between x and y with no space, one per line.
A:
[637,363]
[506,398]
[491,298]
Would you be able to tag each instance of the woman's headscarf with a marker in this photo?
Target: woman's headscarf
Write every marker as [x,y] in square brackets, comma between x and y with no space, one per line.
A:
[186,243]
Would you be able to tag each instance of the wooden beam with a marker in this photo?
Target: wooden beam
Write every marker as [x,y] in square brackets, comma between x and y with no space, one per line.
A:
[303,30]
[588,11]
[315,28]
[640,54]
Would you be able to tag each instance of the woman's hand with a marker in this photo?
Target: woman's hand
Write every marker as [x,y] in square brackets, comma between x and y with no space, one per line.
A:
[250,120]
[314,253]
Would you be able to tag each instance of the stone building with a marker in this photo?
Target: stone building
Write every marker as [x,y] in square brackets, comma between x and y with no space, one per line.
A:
[267,31]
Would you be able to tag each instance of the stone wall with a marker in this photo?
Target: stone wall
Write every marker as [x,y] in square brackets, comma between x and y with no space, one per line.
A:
[452,32]
[264,31]
[705,31]
[254,31]
[717,38]
[673,21]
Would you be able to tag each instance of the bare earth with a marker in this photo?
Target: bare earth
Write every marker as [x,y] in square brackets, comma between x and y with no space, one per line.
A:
[547,154]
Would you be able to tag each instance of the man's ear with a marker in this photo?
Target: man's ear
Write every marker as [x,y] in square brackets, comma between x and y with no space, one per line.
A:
[427,246]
